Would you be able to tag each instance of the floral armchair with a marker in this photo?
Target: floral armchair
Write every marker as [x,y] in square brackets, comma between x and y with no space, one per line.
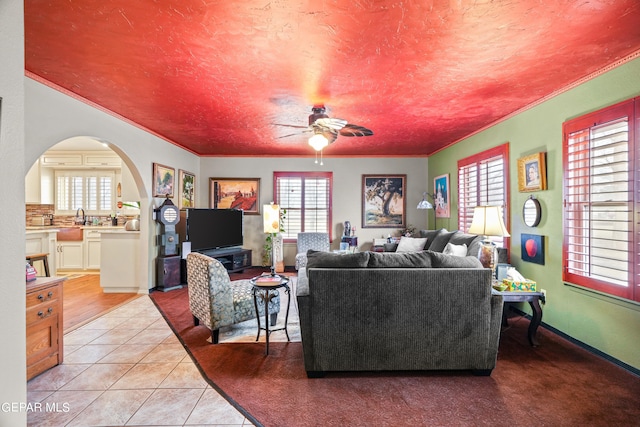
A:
[310,240]
[216,301]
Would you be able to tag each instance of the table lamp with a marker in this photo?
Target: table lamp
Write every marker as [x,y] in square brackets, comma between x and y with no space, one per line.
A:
[271,221]
[487,221]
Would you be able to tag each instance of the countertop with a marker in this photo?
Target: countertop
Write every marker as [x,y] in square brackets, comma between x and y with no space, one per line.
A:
[33,229]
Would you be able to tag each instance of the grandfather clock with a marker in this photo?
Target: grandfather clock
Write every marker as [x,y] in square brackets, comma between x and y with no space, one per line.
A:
[168,263]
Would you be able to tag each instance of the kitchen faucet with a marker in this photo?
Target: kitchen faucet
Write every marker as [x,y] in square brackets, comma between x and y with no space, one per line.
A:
[78,216]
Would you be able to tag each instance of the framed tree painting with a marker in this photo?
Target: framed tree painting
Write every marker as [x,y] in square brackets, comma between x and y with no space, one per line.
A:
[441,197]
[383,201]
[235,193]
[187,190]
[532,173]
[163,180]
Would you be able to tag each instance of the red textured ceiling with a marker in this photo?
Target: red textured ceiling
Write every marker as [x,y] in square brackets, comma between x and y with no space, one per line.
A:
[221,77]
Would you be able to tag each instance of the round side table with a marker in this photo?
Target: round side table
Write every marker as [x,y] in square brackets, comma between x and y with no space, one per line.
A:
[262,285]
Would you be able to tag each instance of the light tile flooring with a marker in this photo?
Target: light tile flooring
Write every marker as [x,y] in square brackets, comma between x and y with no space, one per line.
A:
[127,368]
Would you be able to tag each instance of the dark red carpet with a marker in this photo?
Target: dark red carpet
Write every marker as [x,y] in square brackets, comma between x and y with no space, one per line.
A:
[556,384]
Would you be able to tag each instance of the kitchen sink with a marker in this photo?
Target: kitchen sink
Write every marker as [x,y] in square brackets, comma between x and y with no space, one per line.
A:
[68,234]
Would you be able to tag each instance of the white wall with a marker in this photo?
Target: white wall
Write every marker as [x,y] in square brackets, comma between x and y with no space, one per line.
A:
[12,290]
[52,116]
[347,191]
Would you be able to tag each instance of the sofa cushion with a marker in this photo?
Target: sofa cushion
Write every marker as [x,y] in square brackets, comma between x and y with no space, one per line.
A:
[431,235]
[399,260]
[472,241]
[440,260]
[411,244]
[440,241]
[456,250]
[336,260]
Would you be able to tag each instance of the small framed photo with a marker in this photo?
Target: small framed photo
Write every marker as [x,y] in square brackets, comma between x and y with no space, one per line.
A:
[187,190]
[532,173]
[441,196]
[163,180]
[383,201]
[235,193]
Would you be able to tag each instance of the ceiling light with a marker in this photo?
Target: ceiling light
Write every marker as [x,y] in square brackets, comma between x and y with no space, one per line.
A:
[318,142]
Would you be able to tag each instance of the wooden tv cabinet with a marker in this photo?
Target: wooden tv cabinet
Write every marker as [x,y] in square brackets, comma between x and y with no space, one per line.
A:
[233,259]
[44,324]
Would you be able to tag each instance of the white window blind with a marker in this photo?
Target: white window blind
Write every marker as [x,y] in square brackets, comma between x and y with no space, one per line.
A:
[89,190]
[482,181]
[307,198]
[598,203]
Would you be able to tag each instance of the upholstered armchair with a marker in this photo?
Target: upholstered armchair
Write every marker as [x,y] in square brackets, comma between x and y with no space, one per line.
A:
[310,240]
[216,301]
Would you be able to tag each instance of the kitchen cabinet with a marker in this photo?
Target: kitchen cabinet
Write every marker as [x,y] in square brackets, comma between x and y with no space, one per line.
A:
[66,159]
[70,255]
[42,240]
[120,261]
[44,324]
[99,159]
[92,249]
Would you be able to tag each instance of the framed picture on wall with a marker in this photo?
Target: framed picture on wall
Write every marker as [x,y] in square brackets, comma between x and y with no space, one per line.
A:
[163,180]
[441,197]
[532,173]
[383,201]
[532,247]
[235,193]
[187,189]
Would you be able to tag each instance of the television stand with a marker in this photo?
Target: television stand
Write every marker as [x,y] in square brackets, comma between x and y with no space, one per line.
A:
[233,259]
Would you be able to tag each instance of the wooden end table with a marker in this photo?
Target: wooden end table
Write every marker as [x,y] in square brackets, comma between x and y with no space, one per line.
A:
[263,289]
[533,298]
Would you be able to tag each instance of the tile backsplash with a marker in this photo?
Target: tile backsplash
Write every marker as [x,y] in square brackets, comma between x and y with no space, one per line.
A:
[34,213]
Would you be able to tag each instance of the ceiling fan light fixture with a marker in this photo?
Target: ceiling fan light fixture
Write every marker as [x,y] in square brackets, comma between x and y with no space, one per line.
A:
[318,142]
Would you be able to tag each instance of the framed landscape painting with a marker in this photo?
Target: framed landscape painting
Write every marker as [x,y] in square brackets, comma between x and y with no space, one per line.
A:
[235,193]
[163,180]
[383,201]
[187,190]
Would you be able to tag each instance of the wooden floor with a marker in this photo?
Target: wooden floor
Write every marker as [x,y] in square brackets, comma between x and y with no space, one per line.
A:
[84,300]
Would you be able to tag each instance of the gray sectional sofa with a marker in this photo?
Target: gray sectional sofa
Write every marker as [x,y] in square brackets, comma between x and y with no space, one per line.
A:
[387,311]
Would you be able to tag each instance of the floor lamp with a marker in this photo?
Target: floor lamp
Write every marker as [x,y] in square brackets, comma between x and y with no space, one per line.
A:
[487,221]
[271,221]
[424,204]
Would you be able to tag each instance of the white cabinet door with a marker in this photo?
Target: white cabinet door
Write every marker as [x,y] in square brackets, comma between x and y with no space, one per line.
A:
[61,160]
[93,254]
[102,160]
[70,255]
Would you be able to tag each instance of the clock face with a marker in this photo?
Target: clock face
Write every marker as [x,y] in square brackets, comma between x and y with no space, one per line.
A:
[169,214]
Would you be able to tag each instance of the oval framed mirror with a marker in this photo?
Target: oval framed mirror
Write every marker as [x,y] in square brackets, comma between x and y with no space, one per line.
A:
[531,212]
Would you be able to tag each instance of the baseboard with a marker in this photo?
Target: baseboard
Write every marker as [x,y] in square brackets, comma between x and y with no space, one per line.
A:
[635,371]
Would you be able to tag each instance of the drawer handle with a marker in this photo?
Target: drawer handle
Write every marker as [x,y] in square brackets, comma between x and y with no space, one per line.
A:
[49,295]
[49,311]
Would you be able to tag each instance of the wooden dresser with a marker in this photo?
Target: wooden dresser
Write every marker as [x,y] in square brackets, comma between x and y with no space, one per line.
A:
[44,324]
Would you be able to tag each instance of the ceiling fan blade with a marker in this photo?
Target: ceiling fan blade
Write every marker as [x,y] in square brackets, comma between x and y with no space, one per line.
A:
[330,124]
[291,126]
[355,130]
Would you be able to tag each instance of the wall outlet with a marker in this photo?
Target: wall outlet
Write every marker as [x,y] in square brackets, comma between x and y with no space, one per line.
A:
[544,295]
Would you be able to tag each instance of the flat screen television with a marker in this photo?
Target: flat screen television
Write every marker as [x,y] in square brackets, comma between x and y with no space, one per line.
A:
[211,229]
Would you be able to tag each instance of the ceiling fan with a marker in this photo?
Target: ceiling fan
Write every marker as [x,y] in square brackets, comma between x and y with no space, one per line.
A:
[326,129]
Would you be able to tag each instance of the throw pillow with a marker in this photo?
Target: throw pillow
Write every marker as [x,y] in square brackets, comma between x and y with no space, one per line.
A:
[440,260]
[455,250]
[431,236]
[441,240]
[399,260]
[336,260]
[471,240]
[411,244]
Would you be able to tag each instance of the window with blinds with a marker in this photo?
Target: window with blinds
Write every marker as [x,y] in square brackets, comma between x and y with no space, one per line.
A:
[599,206]
[89,190]
[483,181]
[307,198]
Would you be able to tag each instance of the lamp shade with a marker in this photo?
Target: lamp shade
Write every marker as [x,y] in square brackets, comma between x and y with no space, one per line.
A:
[271,218]
[487,221]
[318,141]
[424,203]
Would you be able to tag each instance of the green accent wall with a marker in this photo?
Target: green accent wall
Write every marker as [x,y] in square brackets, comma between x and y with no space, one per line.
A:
[608,324]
